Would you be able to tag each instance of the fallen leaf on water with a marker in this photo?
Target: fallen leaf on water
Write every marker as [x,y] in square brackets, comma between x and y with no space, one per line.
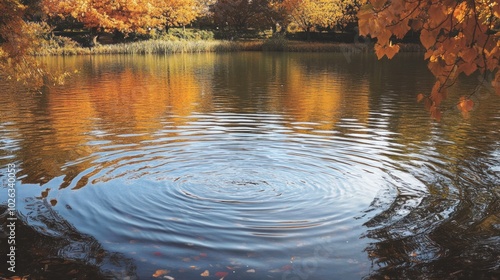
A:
[205,273]
[286,268]
[186,259]
[203,255]
[194,267]
[45,193]
[168,277]
[251,270]
[221,274]
[275,270]
[420,96]
[160,272]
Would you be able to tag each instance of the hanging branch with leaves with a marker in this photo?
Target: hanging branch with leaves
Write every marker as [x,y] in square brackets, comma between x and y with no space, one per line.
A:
[460,36]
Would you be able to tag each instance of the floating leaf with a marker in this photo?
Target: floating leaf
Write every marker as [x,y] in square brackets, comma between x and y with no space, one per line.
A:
[420,96]
[205,273]
[251,270]
[221,274]
[286,268]
[160,272]
[53,202]
[45,193]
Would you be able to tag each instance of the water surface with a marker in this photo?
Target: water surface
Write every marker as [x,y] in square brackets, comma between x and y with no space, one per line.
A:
[262,165]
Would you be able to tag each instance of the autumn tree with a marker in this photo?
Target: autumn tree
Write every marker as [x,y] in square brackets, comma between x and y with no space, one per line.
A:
[18,39]
[277,13]
[125,16]
[241,14]
[177,12]
[109,15]
[460,36]
[308,14]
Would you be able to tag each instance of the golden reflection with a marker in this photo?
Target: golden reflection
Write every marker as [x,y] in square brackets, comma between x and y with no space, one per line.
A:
[119,100]
[317,99]
[129,100]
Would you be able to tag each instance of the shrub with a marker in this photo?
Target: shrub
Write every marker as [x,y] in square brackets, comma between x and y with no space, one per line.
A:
[277,42]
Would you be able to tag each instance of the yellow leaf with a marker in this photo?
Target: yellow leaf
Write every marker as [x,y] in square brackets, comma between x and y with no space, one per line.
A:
[205,273]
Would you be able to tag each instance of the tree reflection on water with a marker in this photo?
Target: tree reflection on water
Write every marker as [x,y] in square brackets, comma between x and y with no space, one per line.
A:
[48,247]
[437,238]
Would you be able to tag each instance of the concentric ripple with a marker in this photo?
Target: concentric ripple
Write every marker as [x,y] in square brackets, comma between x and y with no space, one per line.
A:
[225,181]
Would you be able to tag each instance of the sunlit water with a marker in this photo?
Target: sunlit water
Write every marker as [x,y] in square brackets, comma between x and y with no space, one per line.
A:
[262,165]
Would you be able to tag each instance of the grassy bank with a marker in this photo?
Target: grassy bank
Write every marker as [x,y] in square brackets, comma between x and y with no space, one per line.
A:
[197,46]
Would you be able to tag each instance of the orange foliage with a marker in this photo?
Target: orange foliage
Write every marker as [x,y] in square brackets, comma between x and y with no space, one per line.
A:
[459,36]
[310,13]
[125,16]
[18,40]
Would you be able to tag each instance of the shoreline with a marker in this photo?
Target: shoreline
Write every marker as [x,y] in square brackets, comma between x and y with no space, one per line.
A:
[198,46]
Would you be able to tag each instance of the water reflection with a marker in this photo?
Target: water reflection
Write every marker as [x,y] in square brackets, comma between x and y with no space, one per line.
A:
[49,247]
[262,160]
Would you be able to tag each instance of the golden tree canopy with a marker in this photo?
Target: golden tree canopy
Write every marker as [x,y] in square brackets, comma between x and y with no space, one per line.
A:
[310,13]
[124,15]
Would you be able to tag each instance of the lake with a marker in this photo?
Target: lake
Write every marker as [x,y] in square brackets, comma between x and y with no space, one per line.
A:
[251,166]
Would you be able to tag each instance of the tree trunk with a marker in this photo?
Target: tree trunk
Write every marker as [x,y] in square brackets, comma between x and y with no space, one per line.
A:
[94,35]
[275,29]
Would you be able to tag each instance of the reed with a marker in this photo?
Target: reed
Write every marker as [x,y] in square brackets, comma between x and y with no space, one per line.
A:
[198,46]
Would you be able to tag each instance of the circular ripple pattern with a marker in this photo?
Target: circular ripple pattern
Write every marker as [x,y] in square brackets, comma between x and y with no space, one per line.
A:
[223,180]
